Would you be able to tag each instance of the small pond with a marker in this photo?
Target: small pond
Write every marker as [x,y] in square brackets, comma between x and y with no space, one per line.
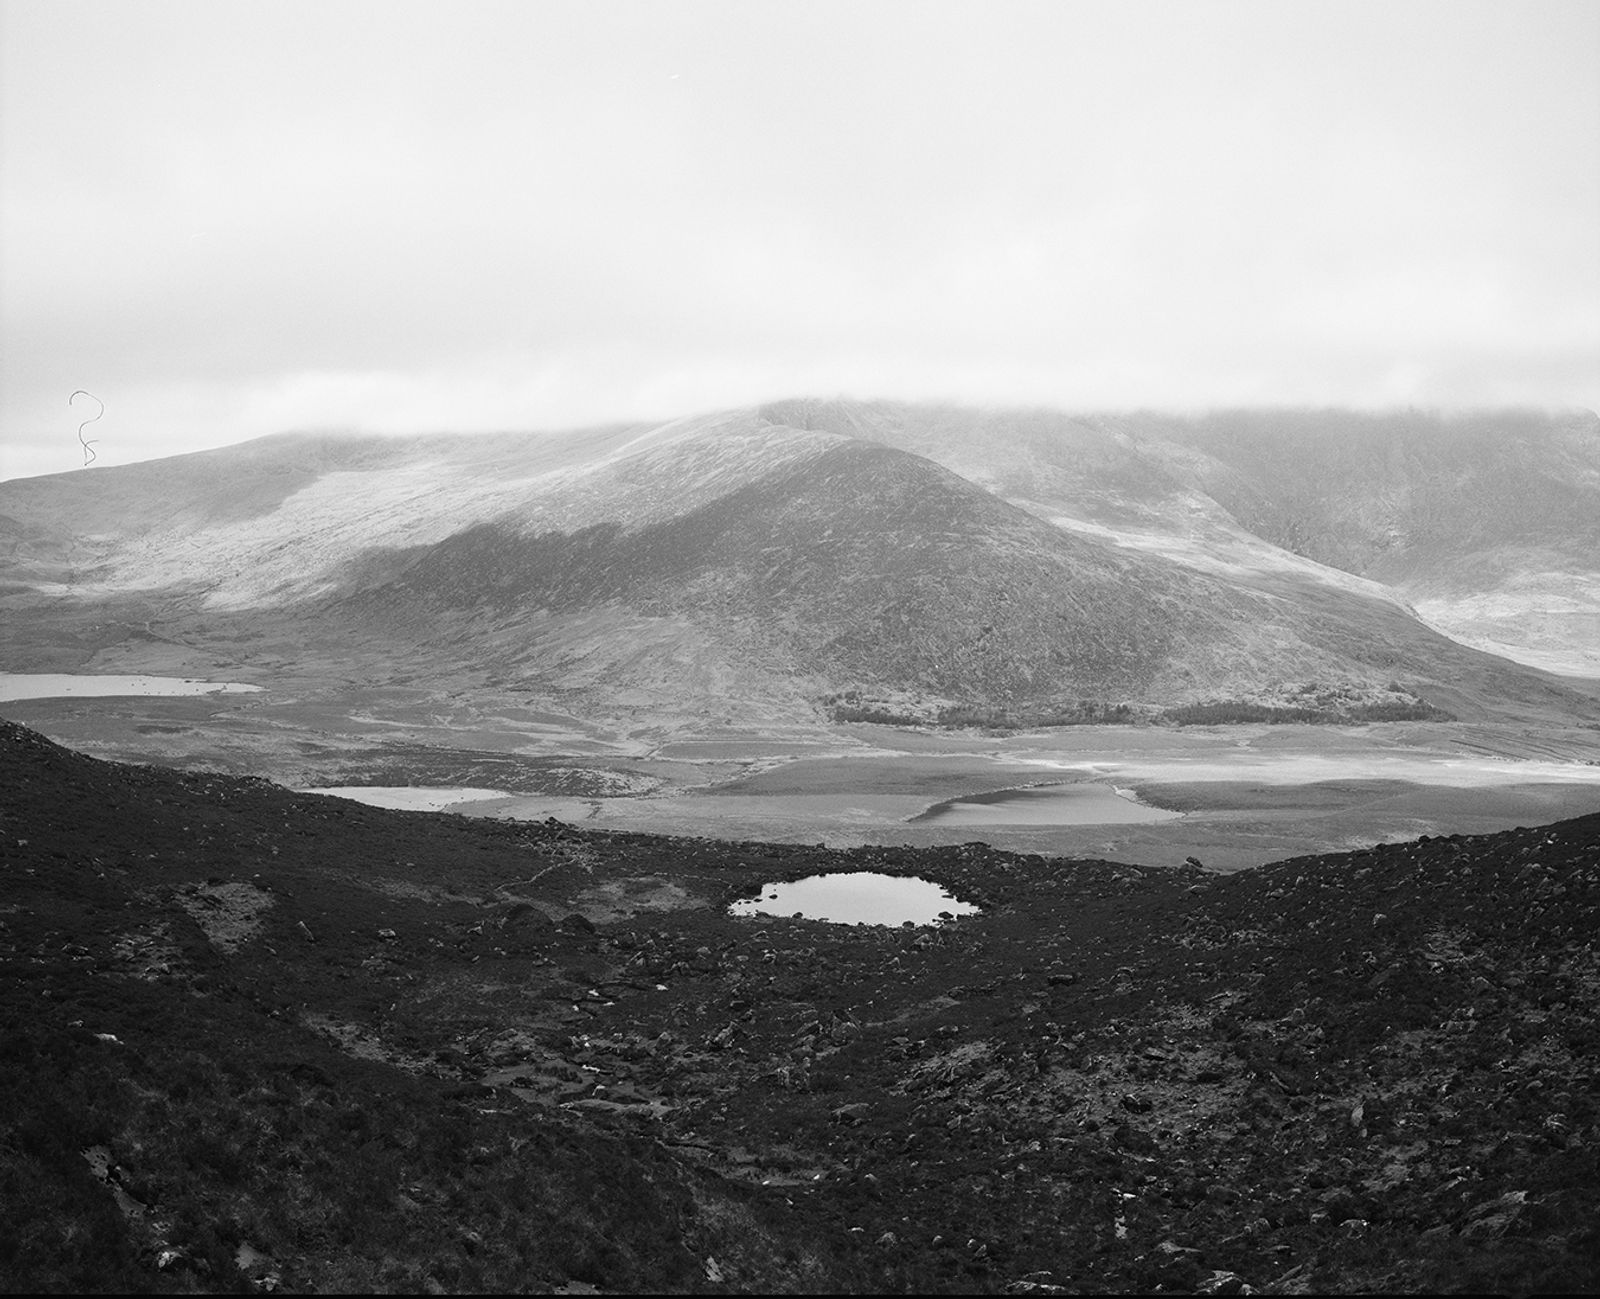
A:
[856,898]
[1083,803]
[68,685]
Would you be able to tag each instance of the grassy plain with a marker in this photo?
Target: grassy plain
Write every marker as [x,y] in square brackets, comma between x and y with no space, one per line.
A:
[1248,794]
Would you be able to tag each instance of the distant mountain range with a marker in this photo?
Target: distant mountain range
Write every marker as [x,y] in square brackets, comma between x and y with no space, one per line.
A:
[853,559]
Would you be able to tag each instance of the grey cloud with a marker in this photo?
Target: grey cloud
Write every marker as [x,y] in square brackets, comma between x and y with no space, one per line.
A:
[571,212]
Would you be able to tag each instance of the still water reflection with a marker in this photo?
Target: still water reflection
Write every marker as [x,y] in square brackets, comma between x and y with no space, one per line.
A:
[856,898]
[1084,803]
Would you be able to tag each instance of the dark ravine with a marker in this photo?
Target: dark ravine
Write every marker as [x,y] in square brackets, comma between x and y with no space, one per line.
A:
[250,1038]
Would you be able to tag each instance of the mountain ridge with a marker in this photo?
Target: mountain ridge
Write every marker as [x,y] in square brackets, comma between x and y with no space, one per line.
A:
[838,547]
[1487,522]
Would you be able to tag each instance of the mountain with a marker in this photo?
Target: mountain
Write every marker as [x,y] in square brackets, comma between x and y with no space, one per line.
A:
[1486,522]
[861,558]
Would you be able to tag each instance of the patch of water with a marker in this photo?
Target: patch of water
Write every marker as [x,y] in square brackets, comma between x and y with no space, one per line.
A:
[1082,803]
[856,898]
[64,685]
[409,798]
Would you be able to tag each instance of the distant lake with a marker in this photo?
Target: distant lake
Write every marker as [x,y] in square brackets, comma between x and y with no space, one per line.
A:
[409,798]
[68,685]
[1082,803]
[855,898]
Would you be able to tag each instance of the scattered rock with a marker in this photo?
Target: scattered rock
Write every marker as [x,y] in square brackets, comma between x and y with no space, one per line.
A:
[1134,1140]
[1224,1283]
[1494,1219]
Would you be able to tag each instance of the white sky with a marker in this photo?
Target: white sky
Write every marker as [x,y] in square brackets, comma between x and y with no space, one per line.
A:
[227,219]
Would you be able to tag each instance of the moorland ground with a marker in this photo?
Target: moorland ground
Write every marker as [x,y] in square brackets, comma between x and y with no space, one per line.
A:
[254,1038]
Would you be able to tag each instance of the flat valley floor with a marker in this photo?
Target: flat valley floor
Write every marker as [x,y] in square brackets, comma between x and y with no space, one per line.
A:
[1232,797]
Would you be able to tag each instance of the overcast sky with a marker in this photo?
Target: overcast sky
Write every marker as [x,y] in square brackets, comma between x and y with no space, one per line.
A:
[229,219]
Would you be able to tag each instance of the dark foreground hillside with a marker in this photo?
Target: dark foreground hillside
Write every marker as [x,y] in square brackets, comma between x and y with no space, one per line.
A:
[257,1040]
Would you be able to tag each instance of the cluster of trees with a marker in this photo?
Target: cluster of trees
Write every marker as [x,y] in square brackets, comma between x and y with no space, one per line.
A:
[1082,712]
[851,707]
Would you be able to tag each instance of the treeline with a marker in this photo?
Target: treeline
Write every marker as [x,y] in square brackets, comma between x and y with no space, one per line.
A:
[1084,712]
[1240,712]
[1331,710]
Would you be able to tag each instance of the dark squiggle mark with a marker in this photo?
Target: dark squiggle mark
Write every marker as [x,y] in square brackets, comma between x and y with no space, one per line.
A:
[88,446]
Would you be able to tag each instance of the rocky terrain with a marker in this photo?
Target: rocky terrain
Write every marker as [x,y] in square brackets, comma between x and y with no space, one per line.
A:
[260,1040]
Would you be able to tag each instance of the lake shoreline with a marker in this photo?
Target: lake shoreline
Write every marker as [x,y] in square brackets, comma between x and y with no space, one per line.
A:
[1046,803]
